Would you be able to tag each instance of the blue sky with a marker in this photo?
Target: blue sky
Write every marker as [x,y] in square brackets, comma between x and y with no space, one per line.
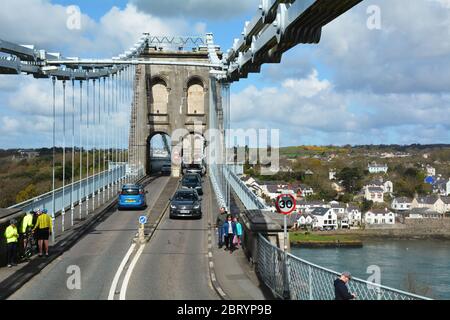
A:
[358,86]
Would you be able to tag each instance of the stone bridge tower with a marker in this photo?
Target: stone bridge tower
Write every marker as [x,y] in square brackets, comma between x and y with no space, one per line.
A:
[168,97]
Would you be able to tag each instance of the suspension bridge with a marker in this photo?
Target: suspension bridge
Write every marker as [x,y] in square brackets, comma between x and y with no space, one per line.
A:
[179,88]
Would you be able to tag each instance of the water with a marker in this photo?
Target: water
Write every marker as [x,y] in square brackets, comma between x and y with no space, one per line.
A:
[426,262]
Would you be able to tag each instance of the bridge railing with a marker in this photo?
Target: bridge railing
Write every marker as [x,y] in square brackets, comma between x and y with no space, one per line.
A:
[75,192]
[247,197]
[290,277]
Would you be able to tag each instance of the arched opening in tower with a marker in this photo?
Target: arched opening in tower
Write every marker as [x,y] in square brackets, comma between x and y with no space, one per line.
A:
[159,152]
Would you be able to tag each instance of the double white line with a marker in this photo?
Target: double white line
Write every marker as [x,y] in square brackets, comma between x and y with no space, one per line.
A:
[126,279]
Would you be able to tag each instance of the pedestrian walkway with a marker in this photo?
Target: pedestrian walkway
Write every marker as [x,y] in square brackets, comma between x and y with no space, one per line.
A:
[233,271]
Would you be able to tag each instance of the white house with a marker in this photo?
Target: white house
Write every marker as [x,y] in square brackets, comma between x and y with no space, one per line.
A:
[375,194]
[306,190]
[377,168]
[401,204]
[388,186]
[431,171]
[338,208]
[442,187]
[305,220]
[354,215]
[325,218]
[332,174]
[379,216]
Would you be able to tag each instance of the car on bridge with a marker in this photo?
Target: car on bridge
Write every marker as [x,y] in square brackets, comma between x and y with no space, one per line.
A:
[185,203]
[194,168]
[132,196]
[166,169]
[192,181]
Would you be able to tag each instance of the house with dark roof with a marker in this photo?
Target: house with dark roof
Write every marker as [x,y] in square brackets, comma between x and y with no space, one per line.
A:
[442,186]
[375,194]
[401,204]
[432,202]
[308,206]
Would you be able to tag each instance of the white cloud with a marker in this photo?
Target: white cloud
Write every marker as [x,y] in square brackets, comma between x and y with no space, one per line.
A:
[309,110]
[209,9]
[116,31]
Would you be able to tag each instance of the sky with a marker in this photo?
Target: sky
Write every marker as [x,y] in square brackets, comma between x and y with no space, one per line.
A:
[380,74]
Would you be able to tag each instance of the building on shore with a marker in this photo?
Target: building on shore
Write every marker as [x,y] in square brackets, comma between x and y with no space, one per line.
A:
[379,216]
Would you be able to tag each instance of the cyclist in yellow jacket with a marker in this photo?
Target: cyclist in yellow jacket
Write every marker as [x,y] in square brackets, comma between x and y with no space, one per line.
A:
[26,227]
[12,238]
[43,229]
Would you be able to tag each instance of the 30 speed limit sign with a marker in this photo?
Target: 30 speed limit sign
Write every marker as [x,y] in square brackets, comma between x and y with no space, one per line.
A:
[285,203]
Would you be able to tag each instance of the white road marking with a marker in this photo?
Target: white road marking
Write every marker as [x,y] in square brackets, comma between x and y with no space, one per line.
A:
[112,290]
[123,289]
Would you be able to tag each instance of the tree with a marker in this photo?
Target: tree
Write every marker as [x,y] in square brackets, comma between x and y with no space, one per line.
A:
[366,205]
[351,179]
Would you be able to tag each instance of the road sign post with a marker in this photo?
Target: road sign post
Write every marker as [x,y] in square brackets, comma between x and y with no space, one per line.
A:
[141,234]
[285,204]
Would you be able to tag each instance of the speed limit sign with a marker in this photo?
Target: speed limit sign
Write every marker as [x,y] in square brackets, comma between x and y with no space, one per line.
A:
[285,203]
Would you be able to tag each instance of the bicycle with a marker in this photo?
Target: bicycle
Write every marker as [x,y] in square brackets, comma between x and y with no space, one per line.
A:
[31,247]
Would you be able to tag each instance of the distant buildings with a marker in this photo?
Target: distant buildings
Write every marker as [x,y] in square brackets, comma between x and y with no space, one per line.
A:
[25,154]
[432,202]
[377,168]
[401,204]
[332,174]
[379,216]
[375,194]
[325,218]
[431,171]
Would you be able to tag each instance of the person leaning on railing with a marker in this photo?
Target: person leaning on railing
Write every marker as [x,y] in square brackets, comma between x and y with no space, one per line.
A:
[43,229]
[340,288]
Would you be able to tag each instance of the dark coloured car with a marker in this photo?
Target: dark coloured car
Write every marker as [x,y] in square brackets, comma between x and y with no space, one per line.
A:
[132,196]
[195,168]
[192,181]
[166,169]
[185,203]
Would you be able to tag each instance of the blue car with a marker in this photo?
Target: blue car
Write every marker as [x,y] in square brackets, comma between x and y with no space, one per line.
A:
[132,196]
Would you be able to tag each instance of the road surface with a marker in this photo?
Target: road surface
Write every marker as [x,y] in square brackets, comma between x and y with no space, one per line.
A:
[98,255]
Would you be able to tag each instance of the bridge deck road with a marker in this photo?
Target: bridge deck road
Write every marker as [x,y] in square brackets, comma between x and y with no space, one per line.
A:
[98,255]
[174,264]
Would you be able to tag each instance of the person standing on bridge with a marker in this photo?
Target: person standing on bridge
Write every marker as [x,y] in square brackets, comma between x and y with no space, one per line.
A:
[219,224]
[229,229]
[25,228]
[238,236]
[340,287]
[43,229]
[12,238]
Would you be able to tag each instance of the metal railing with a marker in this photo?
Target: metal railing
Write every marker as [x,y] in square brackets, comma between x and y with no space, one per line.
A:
[247,197]
[290,277]
[73,193]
